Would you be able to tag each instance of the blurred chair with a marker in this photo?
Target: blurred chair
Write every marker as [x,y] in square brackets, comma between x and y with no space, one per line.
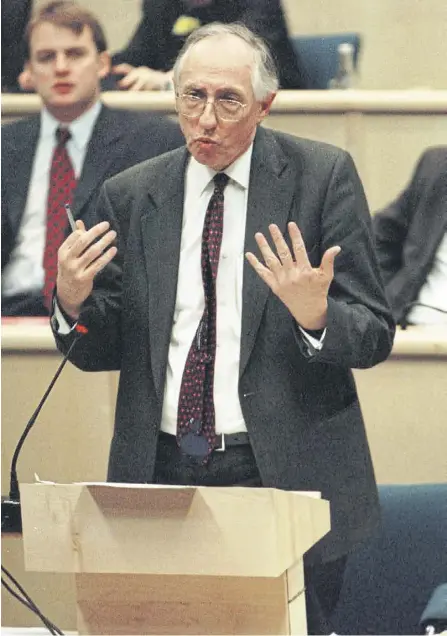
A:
[390,580]
[319,55]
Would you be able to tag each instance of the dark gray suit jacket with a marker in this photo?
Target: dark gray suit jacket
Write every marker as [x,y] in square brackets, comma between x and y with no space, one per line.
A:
[408,231]
[120,139]
[302,412]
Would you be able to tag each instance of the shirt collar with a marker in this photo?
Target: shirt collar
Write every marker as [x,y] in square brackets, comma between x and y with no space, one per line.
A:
[199,175]
[81,128]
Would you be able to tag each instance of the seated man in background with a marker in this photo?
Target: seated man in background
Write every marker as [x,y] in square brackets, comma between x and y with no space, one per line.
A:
[411,238]
[64,154]
[149,57]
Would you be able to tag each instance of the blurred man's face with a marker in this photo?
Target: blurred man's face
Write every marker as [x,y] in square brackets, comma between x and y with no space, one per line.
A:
[219,68]
[65,69]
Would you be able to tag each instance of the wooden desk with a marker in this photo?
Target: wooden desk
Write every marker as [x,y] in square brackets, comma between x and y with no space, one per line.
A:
[385,131]
[404,402]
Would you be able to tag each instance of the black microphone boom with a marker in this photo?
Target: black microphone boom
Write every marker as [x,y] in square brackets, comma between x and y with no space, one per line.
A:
[11,513]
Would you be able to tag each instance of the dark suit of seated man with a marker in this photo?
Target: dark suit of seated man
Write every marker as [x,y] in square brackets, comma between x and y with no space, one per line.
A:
[65,63]
[411,238]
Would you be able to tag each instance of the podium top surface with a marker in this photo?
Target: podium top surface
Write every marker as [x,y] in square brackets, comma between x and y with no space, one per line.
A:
[149,529]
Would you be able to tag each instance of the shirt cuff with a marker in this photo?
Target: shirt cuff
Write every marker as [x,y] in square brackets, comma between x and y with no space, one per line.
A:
[60,322]
[316,343]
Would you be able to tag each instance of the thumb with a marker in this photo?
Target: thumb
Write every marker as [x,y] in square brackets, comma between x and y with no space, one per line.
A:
[80,225]
[327,262]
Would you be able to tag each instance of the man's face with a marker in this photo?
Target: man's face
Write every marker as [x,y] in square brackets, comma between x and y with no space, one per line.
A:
[65,69]
[220,67]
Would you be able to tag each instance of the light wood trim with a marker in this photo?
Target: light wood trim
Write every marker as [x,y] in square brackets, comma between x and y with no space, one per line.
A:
[34,334]
[27,334]
[421,341]
[402,101]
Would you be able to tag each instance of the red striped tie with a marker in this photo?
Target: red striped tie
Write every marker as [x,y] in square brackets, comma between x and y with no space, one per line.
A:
[61,186]
[196,430]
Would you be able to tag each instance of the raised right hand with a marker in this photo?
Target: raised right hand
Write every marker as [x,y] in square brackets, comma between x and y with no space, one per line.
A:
[80,257]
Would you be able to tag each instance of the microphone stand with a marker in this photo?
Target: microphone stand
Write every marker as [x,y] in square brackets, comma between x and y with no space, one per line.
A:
[11,512]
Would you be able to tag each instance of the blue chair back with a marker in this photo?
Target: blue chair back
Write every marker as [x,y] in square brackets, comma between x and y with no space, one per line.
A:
[390,580]
[318,55]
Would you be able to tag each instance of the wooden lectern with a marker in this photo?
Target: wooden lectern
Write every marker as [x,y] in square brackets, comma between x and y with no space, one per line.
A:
[176,560]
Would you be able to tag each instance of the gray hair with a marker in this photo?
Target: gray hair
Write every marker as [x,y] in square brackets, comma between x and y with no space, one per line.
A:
[264,76]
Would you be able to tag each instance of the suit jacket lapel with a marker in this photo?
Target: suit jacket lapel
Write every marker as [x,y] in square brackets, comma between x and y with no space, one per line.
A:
[269,201]
[161,231]
[100,154]
[19,161]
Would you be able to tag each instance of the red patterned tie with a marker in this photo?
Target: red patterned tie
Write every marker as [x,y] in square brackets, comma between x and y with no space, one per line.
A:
[61,186]
[196,431]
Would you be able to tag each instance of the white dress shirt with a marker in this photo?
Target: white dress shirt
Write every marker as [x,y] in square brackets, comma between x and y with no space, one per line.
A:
[190,301]
[24,272]
[433,293]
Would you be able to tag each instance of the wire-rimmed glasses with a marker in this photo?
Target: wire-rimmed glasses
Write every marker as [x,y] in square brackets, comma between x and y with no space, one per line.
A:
[193,106]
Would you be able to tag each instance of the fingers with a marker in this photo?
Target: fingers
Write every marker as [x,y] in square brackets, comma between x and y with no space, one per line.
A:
[268,255]
[96,250]
[282,249]
[129,80]
[119,69]
[285,258]
[327,262]
[100,262]
[139,79]
[263,271]
[80,240]
[298,247]
[139,85]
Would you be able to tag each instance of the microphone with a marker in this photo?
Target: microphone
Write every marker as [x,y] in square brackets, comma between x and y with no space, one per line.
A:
[11,513]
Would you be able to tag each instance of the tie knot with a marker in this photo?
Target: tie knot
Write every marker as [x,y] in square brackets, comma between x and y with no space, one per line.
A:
[62,135]
[220,181]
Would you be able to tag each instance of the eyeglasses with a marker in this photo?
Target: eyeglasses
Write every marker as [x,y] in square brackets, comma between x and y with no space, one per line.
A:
[193,106]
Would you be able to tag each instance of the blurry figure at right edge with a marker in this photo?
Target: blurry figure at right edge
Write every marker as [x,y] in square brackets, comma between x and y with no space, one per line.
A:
[411,238]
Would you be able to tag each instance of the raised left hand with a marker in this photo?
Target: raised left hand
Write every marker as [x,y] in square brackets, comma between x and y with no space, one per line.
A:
[302,288]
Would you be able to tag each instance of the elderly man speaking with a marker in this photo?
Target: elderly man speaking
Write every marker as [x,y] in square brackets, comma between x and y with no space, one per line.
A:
[233,282]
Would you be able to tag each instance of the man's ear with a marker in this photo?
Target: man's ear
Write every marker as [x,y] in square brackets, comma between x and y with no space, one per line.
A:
[265,106]
[25,79]
[104,64]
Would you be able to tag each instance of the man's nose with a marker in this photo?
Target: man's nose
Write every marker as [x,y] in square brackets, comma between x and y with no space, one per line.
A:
[61,63]
[208,117]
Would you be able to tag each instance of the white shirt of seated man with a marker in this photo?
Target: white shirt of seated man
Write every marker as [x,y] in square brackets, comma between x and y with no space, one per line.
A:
[430,307]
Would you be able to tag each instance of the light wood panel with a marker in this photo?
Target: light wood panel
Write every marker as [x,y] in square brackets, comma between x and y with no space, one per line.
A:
[404,402]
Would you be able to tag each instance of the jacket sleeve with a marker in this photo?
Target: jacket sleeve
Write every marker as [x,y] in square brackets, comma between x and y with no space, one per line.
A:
[392,223]
[100,348]
[360,327]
